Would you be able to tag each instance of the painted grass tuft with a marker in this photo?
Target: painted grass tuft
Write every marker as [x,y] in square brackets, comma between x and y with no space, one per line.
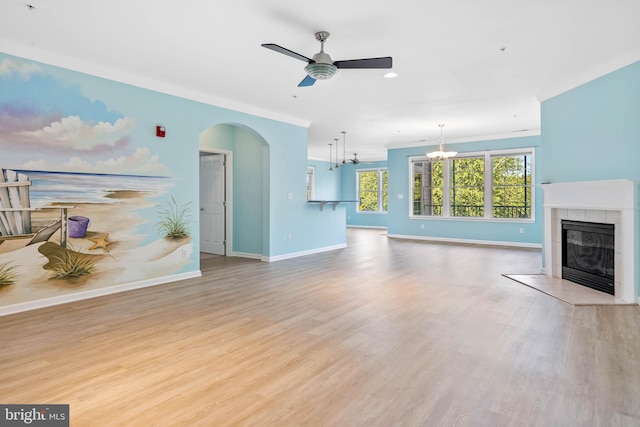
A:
[70,264]
[174,220]
[7,274]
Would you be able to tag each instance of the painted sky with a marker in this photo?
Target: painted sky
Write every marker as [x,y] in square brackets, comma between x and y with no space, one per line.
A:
[43,117]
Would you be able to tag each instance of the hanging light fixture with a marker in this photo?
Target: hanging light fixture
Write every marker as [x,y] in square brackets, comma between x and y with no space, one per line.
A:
[440,154]
[337,164]
[330,157]
[344,147]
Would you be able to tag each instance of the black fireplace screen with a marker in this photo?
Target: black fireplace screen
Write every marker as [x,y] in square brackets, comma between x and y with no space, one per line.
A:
[588,254]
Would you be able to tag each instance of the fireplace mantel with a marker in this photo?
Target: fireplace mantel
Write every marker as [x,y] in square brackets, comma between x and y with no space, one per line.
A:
[610,201]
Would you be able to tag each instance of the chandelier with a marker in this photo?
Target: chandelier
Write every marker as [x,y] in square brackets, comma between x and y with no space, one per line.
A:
[441,154]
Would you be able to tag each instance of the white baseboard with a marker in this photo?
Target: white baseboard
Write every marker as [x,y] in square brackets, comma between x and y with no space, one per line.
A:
[468,241]
[303,253]
[93,293]
[377,227]
[247,255]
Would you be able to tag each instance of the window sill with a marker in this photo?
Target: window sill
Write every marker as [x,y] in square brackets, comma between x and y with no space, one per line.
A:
[473,219]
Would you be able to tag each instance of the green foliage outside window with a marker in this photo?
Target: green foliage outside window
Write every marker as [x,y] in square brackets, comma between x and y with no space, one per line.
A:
[510,189]
[511,185]
[467,187]
[372,190]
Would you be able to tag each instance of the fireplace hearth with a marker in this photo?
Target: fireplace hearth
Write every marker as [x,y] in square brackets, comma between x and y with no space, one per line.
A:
[588,251]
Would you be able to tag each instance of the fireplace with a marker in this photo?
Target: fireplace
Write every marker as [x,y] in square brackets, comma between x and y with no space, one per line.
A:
[608,202]
[588,252]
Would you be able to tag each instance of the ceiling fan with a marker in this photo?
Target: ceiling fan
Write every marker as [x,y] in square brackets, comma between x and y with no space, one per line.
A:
[356,161]
[322,67]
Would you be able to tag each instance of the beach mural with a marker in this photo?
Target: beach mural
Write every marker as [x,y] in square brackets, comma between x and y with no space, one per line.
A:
[86,200]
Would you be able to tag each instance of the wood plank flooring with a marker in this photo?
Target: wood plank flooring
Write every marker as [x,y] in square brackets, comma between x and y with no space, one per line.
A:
[386,332]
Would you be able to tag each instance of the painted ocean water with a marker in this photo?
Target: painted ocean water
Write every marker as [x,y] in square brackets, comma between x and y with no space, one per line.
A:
[66,187]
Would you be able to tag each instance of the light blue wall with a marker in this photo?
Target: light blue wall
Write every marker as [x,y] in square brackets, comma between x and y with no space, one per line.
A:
[326,181]
[349,191]
[603,114]
[399,222]
[285,213]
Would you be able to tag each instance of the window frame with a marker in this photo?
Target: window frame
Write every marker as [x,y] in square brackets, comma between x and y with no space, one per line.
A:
[380,171]
[311,182]
[451,187]
[488,186]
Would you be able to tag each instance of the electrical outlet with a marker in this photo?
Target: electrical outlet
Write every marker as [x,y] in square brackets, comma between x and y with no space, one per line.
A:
[289,238]
[521,230]
[422,226]
[185,253]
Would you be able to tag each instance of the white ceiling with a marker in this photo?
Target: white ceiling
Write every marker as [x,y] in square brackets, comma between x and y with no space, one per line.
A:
[479,67]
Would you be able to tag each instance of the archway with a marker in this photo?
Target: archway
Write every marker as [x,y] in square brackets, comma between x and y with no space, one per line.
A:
[246,187]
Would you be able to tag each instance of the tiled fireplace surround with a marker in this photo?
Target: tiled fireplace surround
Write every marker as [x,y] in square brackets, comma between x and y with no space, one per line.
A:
[611,202]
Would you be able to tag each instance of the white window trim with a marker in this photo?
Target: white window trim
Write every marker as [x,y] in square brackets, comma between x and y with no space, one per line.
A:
[311,175]
[380,190]
[530,151]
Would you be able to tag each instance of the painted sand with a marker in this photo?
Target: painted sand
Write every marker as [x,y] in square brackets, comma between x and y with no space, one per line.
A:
[112,242]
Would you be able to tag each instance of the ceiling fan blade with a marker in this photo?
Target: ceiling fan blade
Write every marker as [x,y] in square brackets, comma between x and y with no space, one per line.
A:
[307,81]
[384,62]
[287,52]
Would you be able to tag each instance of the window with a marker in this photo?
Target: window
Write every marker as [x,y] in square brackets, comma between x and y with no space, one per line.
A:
[310,182]
[511,196]
[372,190]
[427,188]
[467,186]
[490,185]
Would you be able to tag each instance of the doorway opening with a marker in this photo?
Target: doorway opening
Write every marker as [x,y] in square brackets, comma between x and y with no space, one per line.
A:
[213,203]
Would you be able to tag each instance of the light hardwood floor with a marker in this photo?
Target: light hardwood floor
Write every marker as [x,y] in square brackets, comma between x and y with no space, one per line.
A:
[383,333]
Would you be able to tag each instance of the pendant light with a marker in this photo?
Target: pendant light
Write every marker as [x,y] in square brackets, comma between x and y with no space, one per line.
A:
[441,154]
[344,147]
[330,157]
[337,164]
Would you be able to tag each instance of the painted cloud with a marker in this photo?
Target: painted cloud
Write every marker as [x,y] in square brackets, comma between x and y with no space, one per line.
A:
[22,69]
[141,162]
[75,133]
[44,117]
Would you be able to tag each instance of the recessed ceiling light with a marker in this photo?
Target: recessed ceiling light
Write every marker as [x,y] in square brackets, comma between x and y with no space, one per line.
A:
[390,75]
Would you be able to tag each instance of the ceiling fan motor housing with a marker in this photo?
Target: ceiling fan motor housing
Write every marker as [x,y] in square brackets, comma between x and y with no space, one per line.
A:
[322,67]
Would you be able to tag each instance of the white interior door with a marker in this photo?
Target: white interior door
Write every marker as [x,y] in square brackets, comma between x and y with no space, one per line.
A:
[212,204]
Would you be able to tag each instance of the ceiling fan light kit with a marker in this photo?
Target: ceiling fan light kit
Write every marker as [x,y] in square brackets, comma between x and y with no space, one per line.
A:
[320,71]
[322,67]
